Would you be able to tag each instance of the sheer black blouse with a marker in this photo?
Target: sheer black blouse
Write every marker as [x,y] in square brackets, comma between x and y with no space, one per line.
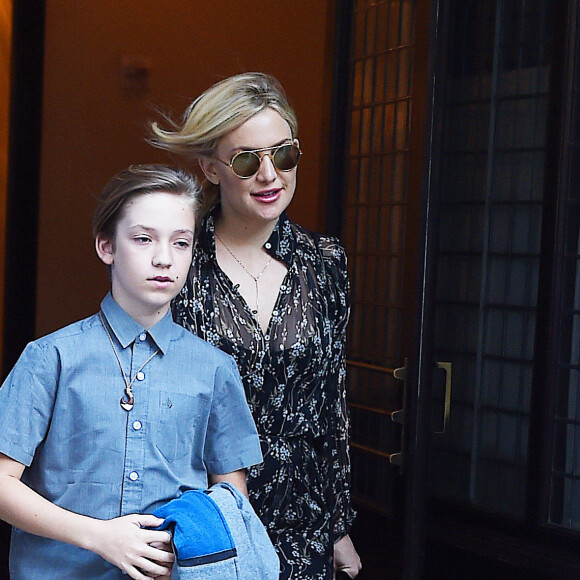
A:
[294,376]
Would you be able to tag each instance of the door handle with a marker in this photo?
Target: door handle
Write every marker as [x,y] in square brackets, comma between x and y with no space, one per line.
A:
[446,366]
[399,415]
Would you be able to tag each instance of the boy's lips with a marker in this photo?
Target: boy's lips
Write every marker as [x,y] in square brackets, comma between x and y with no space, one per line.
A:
[162,281]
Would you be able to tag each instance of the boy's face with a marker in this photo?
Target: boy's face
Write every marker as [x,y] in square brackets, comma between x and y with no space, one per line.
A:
[150,255]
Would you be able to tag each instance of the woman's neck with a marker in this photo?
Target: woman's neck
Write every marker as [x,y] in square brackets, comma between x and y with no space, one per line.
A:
[242,234]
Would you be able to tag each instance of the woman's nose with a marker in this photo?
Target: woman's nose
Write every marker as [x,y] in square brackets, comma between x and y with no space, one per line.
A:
[267,171]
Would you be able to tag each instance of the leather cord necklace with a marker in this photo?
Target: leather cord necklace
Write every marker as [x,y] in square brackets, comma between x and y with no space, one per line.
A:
[129,402]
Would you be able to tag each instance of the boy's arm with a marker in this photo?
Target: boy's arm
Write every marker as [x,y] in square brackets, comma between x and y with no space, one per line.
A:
[236,478]
[121,541]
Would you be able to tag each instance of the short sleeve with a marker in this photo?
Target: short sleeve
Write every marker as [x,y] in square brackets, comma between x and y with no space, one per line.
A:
[232,440]
[27,401]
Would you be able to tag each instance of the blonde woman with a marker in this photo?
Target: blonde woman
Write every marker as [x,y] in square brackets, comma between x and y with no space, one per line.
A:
[275,297]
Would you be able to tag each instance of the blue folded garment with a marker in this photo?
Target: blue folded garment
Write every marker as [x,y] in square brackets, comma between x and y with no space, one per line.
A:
[217,534]
[200,532]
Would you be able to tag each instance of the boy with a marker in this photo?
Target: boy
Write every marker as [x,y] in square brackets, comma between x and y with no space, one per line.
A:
[107,419]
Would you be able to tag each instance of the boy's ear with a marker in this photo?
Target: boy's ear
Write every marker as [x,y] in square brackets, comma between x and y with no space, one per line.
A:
[105,250]
[208,166]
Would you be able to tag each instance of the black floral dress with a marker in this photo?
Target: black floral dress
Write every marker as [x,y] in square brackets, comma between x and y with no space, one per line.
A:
[294,376]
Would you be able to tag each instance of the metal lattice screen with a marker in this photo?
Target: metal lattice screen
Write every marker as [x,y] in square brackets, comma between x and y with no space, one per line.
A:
[374,234]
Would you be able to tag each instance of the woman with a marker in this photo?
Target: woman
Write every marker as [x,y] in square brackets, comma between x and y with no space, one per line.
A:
[275,297]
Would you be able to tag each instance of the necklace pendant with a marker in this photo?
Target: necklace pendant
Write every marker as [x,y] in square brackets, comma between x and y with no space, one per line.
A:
[127,405]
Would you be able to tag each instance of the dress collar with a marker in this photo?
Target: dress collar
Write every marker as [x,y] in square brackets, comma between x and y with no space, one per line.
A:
[281,244]
[126,328]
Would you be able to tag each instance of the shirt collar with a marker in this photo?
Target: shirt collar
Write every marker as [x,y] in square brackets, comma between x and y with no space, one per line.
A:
[280,245]
[126,329]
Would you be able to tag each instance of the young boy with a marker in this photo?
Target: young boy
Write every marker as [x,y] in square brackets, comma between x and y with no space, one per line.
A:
[107,419]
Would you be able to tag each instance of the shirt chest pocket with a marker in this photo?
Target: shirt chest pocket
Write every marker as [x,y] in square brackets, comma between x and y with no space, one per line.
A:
[180,426]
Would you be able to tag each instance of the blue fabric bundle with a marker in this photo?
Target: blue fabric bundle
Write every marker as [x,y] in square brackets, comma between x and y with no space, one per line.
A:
[217,534]
[200,532]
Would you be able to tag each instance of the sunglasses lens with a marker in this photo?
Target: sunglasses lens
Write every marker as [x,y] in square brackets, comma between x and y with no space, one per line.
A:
[286,157]
[246,164]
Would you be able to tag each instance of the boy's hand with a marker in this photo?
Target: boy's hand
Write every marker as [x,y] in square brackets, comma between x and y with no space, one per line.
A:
[141,553]
[166,548]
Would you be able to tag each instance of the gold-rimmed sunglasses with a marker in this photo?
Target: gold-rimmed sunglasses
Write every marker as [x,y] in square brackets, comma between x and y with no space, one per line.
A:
[245,164]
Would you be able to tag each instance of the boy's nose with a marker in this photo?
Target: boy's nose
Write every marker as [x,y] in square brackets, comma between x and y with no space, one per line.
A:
[162,257]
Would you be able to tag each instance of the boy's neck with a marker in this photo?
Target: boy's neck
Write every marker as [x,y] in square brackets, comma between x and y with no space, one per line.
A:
[145,319]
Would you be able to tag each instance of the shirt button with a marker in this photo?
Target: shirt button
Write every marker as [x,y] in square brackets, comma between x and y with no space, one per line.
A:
[137,425]
[142,336]
[133,476]
[140,376]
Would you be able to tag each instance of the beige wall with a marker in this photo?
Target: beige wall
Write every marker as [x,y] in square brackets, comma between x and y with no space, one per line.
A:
[93,127]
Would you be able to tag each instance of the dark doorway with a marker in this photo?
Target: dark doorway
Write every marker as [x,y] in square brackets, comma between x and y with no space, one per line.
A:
[460,218]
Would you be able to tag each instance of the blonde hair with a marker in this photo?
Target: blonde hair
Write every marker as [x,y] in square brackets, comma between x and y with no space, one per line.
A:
[219,110]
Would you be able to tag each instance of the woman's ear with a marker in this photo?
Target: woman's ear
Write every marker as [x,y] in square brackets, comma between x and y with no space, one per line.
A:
[208,166]
[105,249]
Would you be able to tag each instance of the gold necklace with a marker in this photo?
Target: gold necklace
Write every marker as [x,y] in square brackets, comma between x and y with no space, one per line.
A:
[254,278]
[130,401]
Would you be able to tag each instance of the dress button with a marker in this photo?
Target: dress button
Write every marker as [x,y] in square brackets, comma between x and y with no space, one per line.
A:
[133,476]
[142,336]
[268,246]
[137,425]
[140,376]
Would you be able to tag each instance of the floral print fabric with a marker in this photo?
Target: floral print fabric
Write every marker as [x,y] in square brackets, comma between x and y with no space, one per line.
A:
[294,376]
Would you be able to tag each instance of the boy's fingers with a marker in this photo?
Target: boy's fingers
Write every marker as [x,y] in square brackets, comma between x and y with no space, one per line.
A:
[155,537]
[147,569]
[161,555]
[165,546]
[149,521]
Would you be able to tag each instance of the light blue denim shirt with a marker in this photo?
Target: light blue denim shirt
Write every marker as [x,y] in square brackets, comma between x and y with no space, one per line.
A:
[60,415]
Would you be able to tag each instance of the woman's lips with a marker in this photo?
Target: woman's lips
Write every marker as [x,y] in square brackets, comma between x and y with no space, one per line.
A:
[267,196]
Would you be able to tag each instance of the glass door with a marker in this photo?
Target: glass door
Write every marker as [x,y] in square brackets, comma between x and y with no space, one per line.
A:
[494,109]
[450,228]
